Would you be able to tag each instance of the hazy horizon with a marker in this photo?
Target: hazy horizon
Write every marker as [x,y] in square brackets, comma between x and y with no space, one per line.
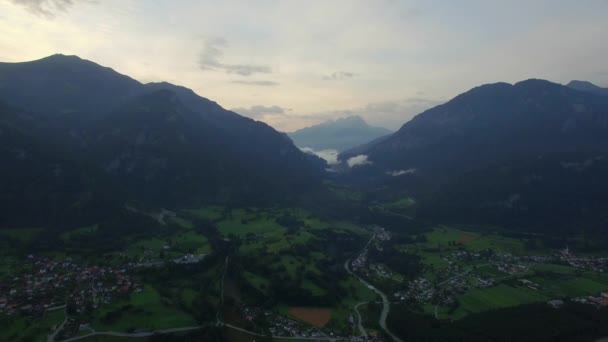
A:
[294,65]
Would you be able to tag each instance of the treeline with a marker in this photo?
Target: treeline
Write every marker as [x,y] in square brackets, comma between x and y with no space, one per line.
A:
[557,196]
[535,322]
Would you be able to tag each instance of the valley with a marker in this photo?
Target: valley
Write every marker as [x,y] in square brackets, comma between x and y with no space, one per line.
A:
[260,272]
[143,211]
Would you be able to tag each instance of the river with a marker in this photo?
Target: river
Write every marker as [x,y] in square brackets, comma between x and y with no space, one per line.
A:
[386,305]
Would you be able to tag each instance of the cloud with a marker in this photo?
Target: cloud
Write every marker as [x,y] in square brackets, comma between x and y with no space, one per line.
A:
[48,8]
[330,156]
[258,111]
[210,58]
[257,83]
[359,160]
[339,76]
[401,172]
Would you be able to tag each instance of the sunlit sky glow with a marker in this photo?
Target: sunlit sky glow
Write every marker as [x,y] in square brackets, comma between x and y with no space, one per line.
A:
[296,63]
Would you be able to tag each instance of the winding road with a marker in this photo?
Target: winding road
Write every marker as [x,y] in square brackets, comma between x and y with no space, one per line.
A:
[386,305]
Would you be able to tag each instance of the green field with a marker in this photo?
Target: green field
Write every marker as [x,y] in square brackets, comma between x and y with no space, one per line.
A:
[445,239]
[191,242]
[145,310]
[21,234]
[553,280]
[79,232]
[208,213]
[401,203]
[25,329]
[501,296]
[183,223]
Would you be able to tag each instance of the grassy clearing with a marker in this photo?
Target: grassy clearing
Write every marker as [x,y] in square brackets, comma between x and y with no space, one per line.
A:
[145,310]
[260,283]
[357,293]
[446,238]
[401,203]
[561,269]
[79,232]
[138,247]
[208,213]
[576,287]
[24,329]
[191,242]
[183,223]
[21,234]
[501,296]
[239,227]
[313,288]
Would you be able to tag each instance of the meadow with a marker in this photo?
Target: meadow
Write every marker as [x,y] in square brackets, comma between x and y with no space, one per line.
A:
[550,280]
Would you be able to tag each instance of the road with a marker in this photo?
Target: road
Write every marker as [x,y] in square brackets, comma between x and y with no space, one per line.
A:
[140,334]
[386,305]
[330,339]
[218,323]
[51,337]
[362,331]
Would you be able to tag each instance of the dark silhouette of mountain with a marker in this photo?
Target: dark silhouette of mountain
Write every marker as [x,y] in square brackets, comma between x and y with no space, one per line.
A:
[340,134]
[587,87]
[159,143]
[493,123]
[42,185]
[509,155]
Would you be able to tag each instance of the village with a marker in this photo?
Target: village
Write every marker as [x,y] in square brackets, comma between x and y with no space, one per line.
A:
[280,325]
[45,284]
[465,271]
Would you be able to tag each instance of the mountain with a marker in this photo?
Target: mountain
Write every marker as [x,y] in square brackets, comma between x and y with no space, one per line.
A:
[587,87]
[493,123]
[42,185]
[340,134]
[160,144]
[501,154]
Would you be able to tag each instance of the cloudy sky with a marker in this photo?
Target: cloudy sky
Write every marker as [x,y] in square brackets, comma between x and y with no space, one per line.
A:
[296,63]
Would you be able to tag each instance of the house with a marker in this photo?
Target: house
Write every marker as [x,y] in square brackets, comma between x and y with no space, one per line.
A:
[556,303]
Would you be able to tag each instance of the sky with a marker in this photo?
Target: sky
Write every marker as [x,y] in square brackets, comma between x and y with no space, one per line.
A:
[293,63]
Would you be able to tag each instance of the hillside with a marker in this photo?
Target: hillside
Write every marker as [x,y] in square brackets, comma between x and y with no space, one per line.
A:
[587,87]
[509,155]
[494,123]
[162,144]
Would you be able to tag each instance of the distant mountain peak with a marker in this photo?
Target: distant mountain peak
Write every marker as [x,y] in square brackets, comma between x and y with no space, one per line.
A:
[587,87]
[339,134]
[351,118]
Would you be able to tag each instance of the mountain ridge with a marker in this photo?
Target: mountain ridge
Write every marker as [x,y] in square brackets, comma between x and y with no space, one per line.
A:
[339,134]
[163,145]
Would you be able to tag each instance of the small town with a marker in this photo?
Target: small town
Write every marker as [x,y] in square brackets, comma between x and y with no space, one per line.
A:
[50,284]
[462,274]
[45,284]
[280,325]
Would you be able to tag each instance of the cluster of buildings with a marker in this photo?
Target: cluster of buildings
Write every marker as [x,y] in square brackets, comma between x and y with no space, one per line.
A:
[590,263]
[420,290]
[369,338]
[381,234]
[380,271]
[45,284]
[360,261]
[281,326]
[189,259]
[600,300]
